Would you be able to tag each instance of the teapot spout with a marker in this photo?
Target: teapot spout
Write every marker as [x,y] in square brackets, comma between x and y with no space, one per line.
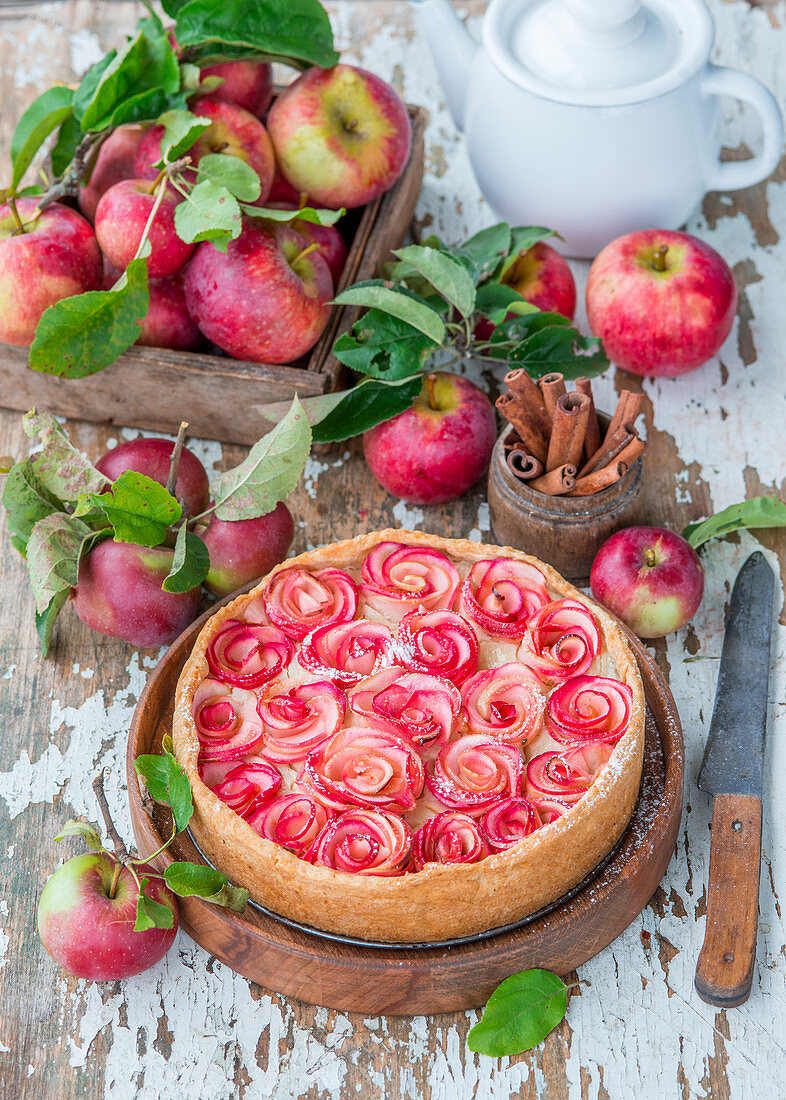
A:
[452,47]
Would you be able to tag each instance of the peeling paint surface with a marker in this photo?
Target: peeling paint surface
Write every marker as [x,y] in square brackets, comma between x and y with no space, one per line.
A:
[190,1026]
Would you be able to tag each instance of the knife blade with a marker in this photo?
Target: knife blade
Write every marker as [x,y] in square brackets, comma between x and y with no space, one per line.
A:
[732,771]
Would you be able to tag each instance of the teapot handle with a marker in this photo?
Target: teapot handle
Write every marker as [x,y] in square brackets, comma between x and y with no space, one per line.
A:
[734,175]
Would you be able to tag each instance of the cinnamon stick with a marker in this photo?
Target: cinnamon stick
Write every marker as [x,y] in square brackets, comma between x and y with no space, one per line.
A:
[552,386]
[592,439]
[598,480]
[556,482]
[608,450]
[568,430]
[631,451]
[528,392]
[522,465]
[528,430]
[628,408]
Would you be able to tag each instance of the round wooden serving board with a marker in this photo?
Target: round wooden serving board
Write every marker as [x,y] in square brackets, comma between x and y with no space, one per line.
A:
[413,980]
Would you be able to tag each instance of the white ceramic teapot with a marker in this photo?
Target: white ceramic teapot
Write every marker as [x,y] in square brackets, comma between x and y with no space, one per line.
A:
[595,117]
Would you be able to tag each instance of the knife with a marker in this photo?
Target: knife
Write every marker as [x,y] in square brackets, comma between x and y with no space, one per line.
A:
[732,772]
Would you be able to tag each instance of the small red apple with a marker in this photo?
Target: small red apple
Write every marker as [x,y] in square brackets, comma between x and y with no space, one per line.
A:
[437,449]
[121,216]
[167,323]
[249,84]
[264,299]
[55,257]
[114,162]
[89,929]
[542,277]
[662,301]
[650,577]
[342,135]
[244,549]
[152,458]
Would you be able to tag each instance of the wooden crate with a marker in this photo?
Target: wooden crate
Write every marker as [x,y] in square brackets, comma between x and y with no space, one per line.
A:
[220,397]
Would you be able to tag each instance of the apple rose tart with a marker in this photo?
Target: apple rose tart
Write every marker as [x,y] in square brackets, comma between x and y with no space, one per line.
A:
[409,739]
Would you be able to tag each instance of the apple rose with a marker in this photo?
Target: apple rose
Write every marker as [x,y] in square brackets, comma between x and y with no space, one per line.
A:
[365,842]
[300,720]
[226,721]
[450,837]
[561,640]
[247,655]
[509,822]
[548,809]
[440,642]
[293,820]
[397,578]
[589,708]
[472,773]
[504,703]
[501,594]
[567,775]
[246,786]
[347,652]
[413,705]
[298,601]
[365,767]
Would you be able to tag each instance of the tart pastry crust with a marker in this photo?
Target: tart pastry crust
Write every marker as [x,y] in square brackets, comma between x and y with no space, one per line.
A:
[442,901]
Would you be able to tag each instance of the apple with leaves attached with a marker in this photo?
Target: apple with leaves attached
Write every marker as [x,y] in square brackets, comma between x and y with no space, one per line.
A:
[542,277]
[113,162]
[244,549]
[167,323]
[153,457]
[122,215]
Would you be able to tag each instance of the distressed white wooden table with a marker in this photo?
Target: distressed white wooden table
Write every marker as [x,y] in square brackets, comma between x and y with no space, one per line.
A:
[191,1027]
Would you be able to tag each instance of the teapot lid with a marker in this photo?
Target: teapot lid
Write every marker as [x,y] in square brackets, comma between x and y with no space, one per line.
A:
[598,52]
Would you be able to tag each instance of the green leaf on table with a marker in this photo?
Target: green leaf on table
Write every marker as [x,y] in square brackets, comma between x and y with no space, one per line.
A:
[45,620]
[269,473]
[522,238]
[26,500]
[316,408]
[44,115]
[520,1013]
[368,404]
[83,829]
[483,252]
[304,214]
[62,469]
[297,32]
[447,276]
[181,130]
[496,301]
[81,335]
[150,913]
[196,880]
[190,564]
[230,172]
[383,346]
[208,213]
[139,509]
[542,342]
[68,138]
[168,783]
[748,514]
[398,302]
[53,552]
[134,85]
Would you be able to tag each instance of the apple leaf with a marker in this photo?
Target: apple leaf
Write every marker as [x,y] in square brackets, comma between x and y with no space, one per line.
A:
[181,131]
[208,213]
[139,509]
[368,404]
[53,552]
[83,829]
[62,469]
[523,237]
[296,32]
[45,621]
[483,252]
[81,335]
[195,880]
[190,564]
[303,214]
[316,408]
[449,278]
[26,500]
[383,346]
[520,1013]
[68,138]
[543,342]
[135,85]
[230,172]
[168,783]
[269,473]
[150,913]
[398,302]
[758,512]
[41,118]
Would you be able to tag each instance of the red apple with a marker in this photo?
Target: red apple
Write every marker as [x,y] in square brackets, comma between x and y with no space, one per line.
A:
[249,84]
[650,577]
[342,135]
[114,162]
[91,933]
[244,549]
[55,257]
[232,130]
[121,216]
[282,192]
[167,324]
[119,593]
[437,449]
[152,458]
[327,238]
[662,301]
[266,298]
[542,277]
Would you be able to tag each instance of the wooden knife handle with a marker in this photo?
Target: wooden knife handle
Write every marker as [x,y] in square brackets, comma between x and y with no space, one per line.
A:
[724,971]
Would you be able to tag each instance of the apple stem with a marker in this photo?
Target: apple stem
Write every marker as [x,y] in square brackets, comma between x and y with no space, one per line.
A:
[305,252]
[650,558]
[302,200]
[351,125]
[115,878]
[431,379]
[121,852]
[15,215]
[174,462]
[659,259]
[152,188]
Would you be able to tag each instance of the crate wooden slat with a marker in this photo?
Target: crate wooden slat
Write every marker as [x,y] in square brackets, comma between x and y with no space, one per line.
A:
[220,397]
